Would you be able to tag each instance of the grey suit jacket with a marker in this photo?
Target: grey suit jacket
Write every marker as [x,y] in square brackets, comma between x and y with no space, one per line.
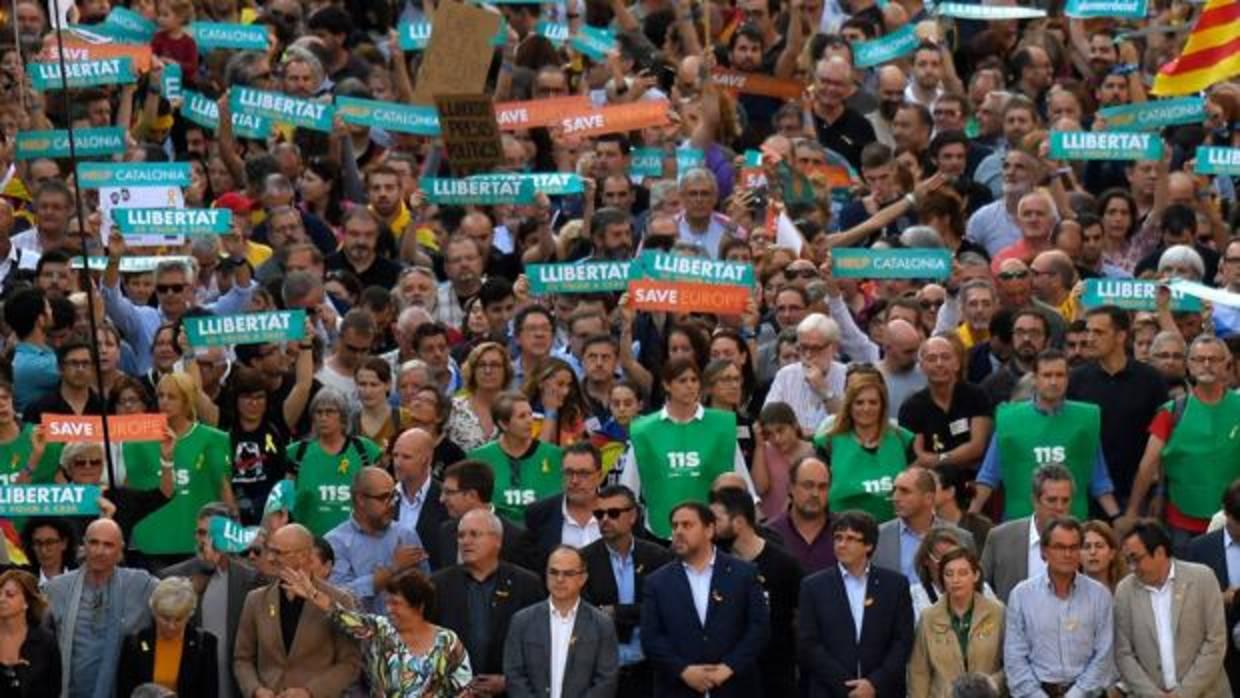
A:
[592,666]
[1199,629]
[1005,561]
[887,552]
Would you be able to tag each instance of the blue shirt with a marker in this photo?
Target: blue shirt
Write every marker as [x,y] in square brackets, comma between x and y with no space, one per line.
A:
[1054,640]
[910,540]
[626,593]
[35,374]
[1231,550]
[992,227]
[411,507]
[358,554]
[854,588]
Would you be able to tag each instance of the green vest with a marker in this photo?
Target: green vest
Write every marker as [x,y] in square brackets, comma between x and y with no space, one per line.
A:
[323,497]
[861,479]
[1028,438]
[201,465]
[1203,455]
[678,462]
[521,482]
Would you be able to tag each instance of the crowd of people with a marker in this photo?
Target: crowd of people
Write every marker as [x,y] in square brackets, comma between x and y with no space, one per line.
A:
[1019,476]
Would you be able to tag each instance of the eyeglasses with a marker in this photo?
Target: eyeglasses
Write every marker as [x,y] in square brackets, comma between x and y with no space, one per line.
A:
[929,304]
[77,364]
[88,463]
[601,514]
[1013,275]
[1208,359]
[169,288]
[564,574]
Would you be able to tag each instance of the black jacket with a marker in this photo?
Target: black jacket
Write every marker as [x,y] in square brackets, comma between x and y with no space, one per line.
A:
[430,520]
[600,588]
[514,548]
[38,669]
[1207,549]
[198,676]
[515,589]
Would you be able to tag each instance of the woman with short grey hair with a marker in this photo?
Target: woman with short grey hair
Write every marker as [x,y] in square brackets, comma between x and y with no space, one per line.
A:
[1181,262]
[173,652]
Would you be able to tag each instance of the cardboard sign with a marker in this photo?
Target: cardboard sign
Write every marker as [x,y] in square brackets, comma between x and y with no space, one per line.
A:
[217,35]
[458,55]
[549,183]
[620,118]
[470,133]
[987,12]
[49,500]
[246,328]
[863,263]
[899,43]
[1134,294]
[206,113]
[280,107]
[1103,145]
[94,175]
[1155,114]
[228,536]
[87,142]
[122,428]
[173,221]
[670,267]
[1214,160]
[687,297]
[756,84]
[389,116]
[108,71]
[646,162]
[513,116]
[582,277]
[478,191]
[1083,9]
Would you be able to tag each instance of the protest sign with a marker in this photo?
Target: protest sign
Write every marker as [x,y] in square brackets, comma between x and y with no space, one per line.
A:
[389,116]
[206,113]
[512,116]
[899,43]
[230,537]
[413,36]
[555,33]
[1217,296]
[864,263]
[688,159]
[579,277]
[87,142]
[756,84]
[170,82]
[78,50]
[646,162]
[246,328]
[632,116]
[1134,294]
[1217,161]
[95,175]
[49,500]
[458,54]
[470,132]
[127,25]
[107,71]
[129,265]
[1083,9]
[1103,145]
[549,183]
[687,297]
[594,42]
[987,12]
[1155,114]
[462,192]
[280,107]
[281,498]
[223,35]
[122,428]
[668,267]
[173,221]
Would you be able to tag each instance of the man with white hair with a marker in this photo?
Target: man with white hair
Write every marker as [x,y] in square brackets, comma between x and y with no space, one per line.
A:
[814,385]
[1036,216]
[995,226]
[699,224]
[838,127]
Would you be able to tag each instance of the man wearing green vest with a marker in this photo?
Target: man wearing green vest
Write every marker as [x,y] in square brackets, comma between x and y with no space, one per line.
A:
[526,469]
[678,451]
[1195,442]
[1047,429]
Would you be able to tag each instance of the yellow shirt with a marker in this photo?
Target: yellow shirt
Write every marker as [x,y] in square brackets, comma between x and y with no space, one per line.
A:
[167,661]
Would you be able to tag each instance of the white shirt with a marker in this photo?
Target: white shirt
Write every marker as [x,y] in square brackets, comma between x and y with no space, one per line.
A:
[854,589]
[791,386]
[699,585]
[1160,600]
[1037,565]
[561,641]
[411,507]
[576,535]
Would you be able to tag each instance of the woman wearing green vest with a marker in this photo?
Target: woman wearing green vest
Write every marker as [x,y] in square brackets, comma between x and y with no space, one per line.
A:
[865,451]
[324,465]
[16,464]
[526,469]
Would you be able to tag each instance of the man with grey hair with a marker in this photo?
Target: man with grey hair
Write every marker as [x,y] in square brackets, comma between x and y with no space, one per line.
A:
[1181,262]
[836,125]
[994,226]
[1036,216]
[1169,354]
[814,385]
[1054,275]
[1012,553]
[357,334]
[699,224]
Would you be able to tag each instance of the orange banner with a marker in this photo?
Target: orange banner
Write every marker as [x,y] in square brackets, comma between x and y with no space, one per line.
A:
[539,112]
[67,428]
[79,50]
[756,84]
[617,119]
[688,297]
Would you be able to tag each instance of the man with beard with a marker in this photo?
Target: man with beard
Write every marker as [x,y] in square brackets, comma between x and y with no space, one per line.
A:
[359,252]
[911,129]
[1030,334]
[1089,263]
[479,227]
[746,53]
[611,235]
[927,82]
[949,152]
[1020,118]
[463,267]
[994,226]
[891,82]
[989,111]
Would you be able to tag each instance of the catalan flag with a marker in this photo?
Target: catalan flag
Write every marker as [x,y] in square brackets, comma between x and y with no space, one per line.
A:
[1211,55]
[13,543]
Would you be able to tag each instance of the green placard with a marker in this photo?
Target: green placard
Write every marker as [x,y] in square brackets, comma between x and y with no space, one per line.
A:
[246,328]
[1133,294]
[489,190]
[87,142]
[646,162]
[282,108]
[389,116]
[1214,160]
[49,500]
[1132,9]
[668,267]
[170,82]
[216,35]
[549,183]
[93,175]
[1153,115]
[555,33]
[687,159]
[281,498]
[987,12]
[582,277]
[206,113]
[130,265]
[1105,145]
[414,36]
[593,41]
[864,263]
[173,221]
[107,71]
[129,25]
[228,536]
[899,43]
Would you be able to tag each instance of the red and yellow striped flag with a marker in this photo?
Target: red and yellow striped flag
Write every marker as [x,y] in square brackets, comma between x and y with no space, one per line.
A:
[1211,55]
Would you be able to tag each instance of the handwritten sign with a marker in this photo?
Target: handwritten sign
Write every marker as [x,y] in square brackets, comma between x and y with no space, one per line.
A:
[458,54]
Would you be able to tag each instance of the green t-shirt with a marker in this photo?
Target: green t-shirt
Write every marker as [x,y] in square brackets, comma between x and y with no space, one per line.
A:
[1202,457]
[16,453]
[201,464]
[862,478]
[677,462]
[521,481]
[1028,438]
[324,496]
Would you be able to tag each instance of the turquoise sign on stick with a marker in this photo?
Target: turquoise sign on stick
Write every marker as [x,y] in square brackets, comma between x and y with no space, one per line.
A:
[582,277]
[389,116]
[94,175]
[222,35]
[228,536]
[49,500]
[1153,115]
[864,263]
[666,267]
[206,113]
[279,107]
[246,328]
[482,191]
[1105,145]
[594,42]
[899,43]
[1129,9]
[1214,160]
[106,71]
[646,162]
[1133,294]
[87,142]
[173,221]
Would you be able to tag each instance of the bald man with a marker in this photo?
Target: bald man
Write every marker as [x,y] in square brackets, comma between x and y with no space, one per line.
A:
[1054,275]
[420,508]
[286,648]
[899,363]
[93,608]
[891,82]
[1036,217]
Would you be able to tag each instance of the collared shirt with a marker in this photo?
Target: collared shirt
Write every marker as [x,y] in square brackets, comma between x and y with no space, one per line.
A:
[910,540]
[1231,552]
[448,307]
[992,227]
[624,571]
[1054,640]
[854,589]
[358,553]
[699,585]
[411,507]
[573,533]
[792,387]
[561,641]
[1160,603]
[1037,565]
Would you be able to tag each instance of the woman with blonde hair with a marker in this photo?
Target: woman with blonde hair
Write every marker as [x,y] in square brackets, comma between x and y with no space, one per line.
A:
[29,655]
[487,373]
[171,652]
[1100,554]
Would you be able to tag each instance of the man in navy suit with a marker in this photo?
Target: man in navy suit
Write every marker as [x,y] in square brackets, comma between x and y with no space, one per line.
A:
[705,619]
[856,623]
[567,518]
[1220,551]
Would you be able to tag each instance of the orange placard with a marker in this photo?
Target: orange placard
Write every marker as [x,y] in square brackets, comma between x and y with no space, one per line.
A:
[79,50]
[688,297]
[617,119]
[756,84]
[539,112]
[68,428]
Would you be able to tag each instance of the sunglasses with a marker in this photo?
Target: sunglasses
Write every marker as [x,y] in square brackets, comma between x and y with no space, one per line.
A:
[1013,275]
[601,514]
[88,462]
[169,288]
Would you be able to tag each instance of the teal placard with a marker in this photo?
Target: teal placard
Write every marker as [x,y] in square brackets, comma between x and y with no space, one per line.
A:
[127,24]
[753,158]
[667,267]
[280,107]
[593,41]
[687,159]
[49,500]
[228,536]
[988,12]
[130,265]
[206,113]
[173,221]
[582,277]
[1133,294]
[170,82]
[108,71]
[1214,160]
[549,183]
[414,36]
[87,142]
[1105,145]
[281,498]
[646,162]
[93,175]
[389,116]
[555,33]
[246,328]
[216,35]
[482,191]
[1153,115]
[1082,9]
[864,263]
[899,43]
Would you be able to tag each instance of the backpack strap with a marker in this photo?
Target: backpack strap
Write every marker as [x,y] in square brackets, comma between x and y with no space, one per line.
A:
[356,444]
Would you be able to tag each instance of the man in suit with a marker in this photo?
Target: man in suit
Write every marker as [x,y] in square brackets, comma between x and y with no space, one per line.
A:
[467,486]
[1220,551]
[567,518]
[562,647]
[1170,633]
[1013,553]
[222,583]
[478,598]
[912,497]
[286,648]
[617,567]
[704,618]
[420,505]
[855,632]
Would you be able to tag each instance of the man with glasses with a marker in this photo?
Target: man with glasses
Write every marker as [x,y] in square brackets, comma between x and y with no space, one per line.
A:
[463,267]
[700,224]
[1227,317]
[76,393]
[837,126]
[951,418]
[534,331]
[1030,336]
[357,333]
[53,207]
[567,518]
[468,485]
[368,548]
[814,385]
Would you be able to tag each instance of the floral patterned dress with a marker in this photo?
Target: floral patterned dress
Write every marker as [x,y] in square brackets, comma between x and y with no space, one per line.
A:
[394,670]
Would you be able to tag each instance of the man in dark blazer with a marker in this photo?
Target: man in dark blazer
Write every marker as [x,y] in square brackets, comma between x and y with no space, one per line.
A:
[1012,553]
[468,486]
[482,584]
[420,506]
[1212,550]
[705,618]
[563,646]
[567,518]
[836,656]
[205,571]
